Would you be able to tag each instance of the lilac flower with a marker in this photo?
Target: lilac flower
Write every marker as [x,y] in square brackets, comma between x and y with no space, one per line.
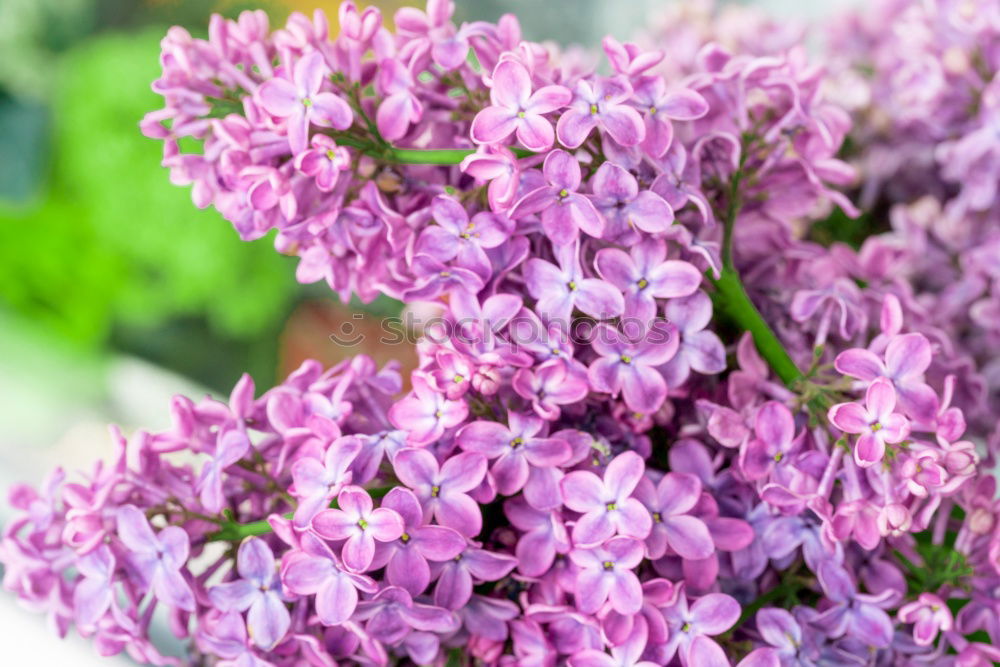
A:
[551,384]
[907,356]
[258,590]
[359,524]
[543,536]
[323,162]
[515,448]
[629,367]
[498,166]
[857,614]
[392,614]
[669,503]
[625,207]
[876,423]
[231,446]
[710,615]
[627,654]
[425,414]
[400,107]
[315,483]
[515,108]
[561,289]
[300,101]
[455,235]
[606,573]
[774,431]
[700,350]
[601,105]
[645,274]
[455,576]
[156,560]
[661,106]
[443,490]
[785,639]
[607,505]
[929,615]
[564,211]
[315,571]
[405,559]
[226,638]
[93,595]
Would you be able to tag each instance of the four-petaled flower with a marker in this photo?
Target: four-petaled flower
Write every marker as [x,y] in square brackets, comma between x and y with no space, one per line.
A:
[625,207]
[324,161]
[645,274]
[515,108]
[564,211]
[443,490]
[774,439]
[560,289]
[315,482]
[607,505]
[425,413]
[258,590]
[669,504]
[603,105]
[316,571]
[606,572]
[629,367]
[357,522]
[300,101]
[156,560]
[875,423]
[691,628]
[929,615]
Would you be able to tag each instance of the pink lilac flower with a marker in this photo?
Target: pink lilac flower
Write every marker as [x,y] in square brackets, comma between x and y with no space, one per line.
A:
[513,449]
[399,108]
[230,447]
[786,643]
[498,166]
[627,654]
[625,207]
[258,592]
[552,384]
[425,414]
[606,574]
[669,503]
[701,349]
[457,237]
[645,274]
[392,614]
[316,482]
[607,505]
[907,356]
[560,289]
[156,560]
[601,105]
[517,109]
[660,106]
[564,211]
[858,614]
[443,490]
[473,565]
[876,423]
[929,615]
[543,536]
[316,571]
[708,616]
[94,595]
[629,367]
[360,524]
[774,439]
[406,558]
[324,161]
[300,102]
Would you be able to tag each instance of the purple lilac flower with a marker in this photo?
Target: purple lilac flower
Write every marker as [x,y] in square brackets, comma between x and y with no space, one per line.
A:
[774,439]
[400,107]
[406,559]
[301,103]
[552,384]
[709,615]
[627,654]
[473,565]
[660,106]
[93,595]
[425,414]
[517,109]
[316,571]
[876,423]
[258,592]
[626,208]
[858,614]
[324,161]
[392,614]
[230,447]
[929,615]
[601,105]
[607,505]
[645,274]
[669,503]
[443,490]
[700,349]
[564,211]
[560,289]
[156,560]
[316,482]
[358,523]
[606,574]
[457,237]
[543,537]
[628,367]
[513,449]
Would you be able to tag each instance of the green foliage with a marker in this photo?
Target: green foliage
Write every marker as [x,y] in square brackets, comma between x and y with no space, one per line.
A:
[111,245]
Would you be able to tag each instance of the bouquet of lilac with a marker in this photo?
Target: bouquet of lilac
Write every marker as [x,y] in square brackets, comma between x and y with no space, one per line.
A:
[672,407]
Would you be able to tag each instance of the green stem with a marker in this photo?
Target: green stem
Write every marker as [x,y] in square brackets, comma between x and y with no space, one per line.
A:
[734,302]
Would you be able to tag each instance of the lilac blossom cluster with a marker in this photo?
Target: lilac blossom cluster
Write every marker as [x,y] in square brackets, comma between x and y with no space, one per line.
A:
[667,424]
